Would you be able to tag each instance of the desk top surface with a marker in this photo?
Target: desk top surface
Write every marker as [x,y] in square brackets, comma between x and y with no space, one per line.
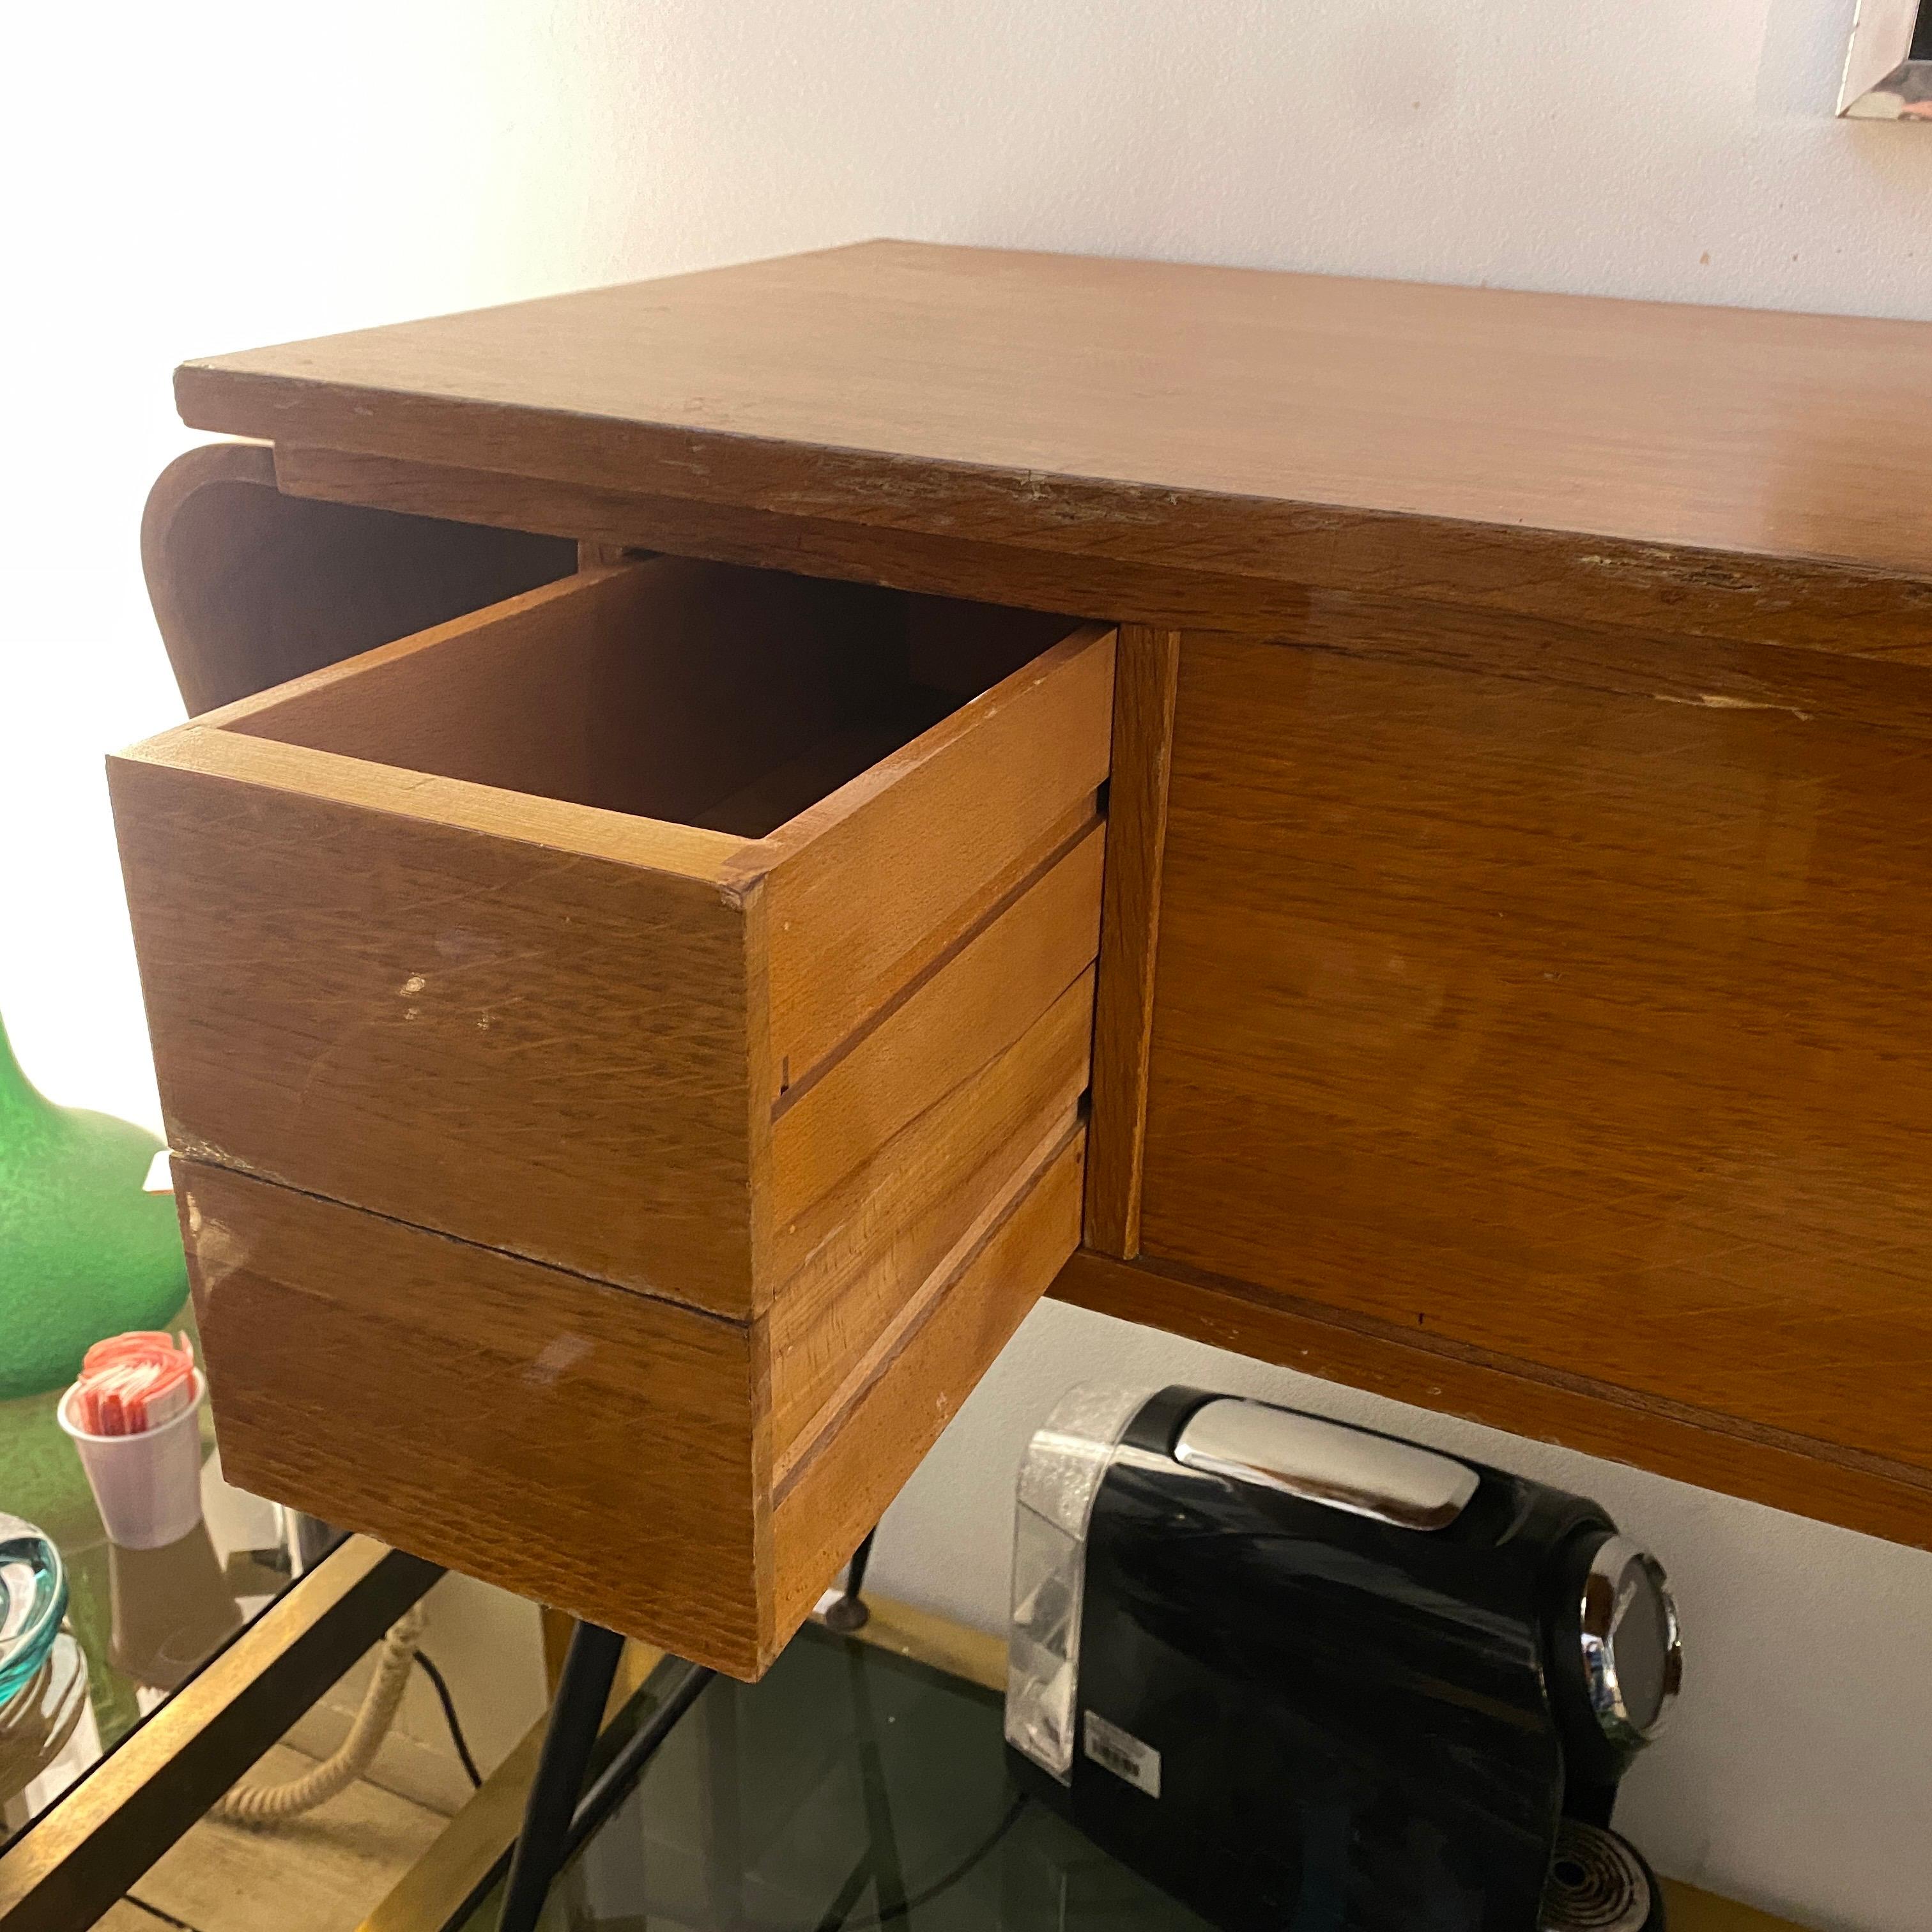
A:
[1095,388]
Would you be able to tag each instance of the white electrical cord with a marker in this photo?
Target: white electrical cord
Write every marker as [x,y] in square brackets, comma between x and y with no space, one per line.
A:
[256,1805]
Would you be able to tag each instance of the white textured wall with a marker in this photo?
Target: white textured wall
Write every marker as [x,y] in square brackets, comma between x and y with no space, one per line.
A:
[183,181]
[186,180]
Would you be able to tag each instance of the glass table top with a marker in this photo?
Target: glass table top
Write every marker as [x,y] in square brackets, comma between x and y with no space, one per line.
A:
[139,1622]
[850,1789]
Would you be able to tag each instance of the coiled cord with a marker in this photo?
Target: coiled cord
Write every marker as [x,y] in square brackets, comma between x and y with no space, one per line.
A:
[259,1805]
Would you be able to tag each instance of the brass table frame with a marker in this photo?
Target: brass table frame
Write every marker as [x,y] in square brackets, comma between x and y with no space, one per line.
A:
[68,1866]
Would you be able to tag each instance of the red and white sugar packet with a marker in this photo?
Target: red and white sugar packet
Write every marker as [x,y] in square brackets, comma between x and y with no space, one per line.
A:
[132,1383]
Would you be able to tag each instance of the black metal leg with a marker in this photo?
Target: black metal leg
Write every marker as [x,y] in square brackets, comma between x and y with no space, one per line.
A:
[888,1878]
[614,1779]
[577,1711]
[850,1612]
[878,1867]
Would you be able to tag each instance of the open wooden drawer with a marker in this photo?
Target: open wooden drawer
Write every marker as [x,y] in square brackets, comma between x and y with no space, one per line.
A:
[623,1053]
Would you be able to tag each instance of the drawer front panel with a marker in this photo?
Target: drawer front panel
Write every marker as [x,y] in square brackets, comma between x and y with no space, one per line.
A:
[379,971]
[1575,1028]
[538,1051]
[583,1446]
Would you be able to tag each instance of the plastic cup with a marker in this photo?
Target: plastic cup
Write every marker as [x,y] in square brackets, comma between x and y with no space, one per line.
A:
[147,1487]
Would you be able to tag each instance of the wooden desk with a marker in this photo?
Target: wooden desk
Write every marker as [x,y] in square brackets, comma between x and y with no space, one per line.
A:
[1510,962]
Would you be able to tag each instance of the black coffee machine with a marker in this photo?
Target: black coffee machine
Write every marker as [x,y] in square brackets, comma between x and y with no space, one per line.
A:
[1310,1679]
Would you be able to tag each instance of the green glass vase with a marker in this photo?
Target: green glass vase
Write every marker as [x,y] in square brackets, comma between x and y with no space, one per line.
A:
[86,1251]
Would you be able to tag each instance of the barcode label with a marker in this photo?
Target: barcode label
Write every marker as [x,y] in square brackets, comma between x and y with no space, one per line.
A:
[1122,1753]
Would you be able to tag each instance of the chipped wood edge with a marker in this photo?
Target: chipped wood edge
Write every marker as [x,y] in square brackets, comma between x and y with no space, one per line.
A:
[1832,604]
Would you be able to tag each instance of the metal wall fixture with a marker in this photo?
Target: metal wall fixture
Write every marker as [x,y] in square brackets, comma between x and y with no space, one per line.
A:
[1888,70]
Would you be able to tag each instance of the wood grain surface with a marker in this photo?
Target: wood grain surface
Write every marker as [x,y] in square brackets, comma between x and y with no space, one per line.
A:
[1255,579]
[655,689]
[455,996]
[592,1448]
[873,888]
[868,1247]
[251,587]
[1348,434]
[515,1421]
[836,1495]
[1144,693]
[1408,1364]
[1582,1029]
[934,1040]
[441,1025]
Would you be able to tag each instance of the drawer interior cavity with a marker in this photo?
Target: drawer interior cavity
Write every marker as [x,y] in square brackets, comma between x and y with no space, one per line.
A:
[701,693]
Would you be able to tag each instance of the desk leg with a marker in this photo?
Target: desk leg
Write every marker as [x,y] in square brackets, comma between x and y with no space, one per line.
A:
[849,1613]
[589,1666]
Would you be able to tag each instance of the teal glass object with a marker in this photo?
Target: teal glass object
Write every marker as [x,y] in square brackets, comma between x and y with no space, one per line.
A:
[86,1251]
[33,1599]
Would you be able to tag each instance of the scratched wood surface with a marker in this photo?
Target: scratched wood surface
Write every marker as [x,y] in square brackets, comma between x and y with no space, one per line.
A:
[1257,582]
[439,1023]
[1580,1029]
[1523,451]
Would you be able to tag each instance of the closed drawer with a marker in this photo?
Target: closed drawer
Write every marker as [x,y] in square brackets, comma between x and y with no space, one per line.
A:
[607,1042]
